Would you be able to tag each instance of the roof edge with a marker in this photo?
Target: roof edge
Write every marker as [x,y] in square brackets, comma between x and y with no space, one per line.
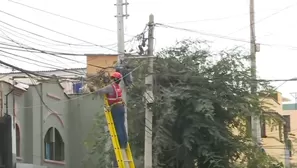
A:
[99,55]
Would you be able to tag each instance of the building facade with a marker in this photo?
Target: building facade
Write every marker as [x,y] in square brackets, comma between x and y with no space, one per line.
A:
[273,137]
[290,110]
[70,86]
[95,62]
[50,126]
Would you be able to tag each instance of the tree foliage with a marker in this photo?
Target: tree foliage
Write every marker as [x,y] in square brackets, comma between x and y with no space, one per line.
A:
[199,104]
[202,100]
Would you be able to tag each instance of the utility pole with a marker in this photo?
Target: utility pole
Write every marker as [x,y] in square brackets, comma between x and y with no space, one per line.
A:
[121,54]
[121,47]
[255,119]
[148,152]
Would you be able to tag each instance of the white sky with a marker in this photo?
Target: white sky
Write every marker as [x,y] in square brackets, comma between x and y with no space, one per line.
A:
[277,60]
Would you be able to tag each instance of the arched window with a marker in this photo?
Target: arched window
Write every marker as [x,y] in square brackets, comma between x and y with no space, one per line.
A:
[53,145]
[18,141]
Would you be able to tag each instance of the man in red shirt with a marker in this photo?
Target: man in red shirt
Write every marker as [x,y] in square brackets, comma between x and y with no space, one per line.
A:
[114,97]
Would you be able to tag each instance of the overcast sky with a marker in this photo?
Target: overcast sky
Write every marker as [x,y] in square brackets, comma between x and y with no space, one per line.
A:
[275,28]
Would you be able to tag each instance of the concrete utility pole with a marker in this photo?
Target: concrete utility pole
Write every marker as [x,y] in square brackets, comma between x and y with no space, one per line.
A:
[121,46]
[255,119]
[148,153]
[121,54]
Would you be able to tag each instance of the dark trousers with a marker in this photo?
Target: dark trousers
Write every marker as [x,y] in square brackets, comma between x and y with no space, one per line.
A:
[118,115]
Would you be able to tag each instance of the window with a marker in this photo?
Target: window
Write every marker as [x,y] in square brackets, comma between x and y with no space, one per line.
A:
[18,141]
[53,145]
[288,122]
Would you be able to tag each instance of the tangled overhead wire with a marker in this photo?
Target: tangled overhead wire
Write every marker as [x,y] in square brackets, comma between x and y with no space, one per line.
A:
[101,79]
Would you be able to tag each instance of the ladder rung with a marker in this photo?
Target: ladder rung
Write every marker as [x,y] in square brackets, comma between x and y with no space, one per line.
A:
[122,161]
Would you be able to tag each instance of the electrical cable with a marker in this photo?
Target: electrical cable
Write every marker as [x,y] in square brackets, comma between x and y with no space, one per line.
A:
[31,72]
[51,66]
[38,92]
[57,54]
[101,27]
[275,89]
[19,45]
[61,42]
[46,52]
[267,17]
[13,33]
[224,37]
[69,36]
[35,86]
[74,20]
[25,61]
[64,43]
[49,77]
[35,50]
[206,20]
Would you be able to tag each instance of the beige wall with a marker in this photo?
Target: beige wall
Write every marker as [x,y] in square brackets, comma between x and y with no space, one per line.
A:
[293,133]
[272,143]
[100,60]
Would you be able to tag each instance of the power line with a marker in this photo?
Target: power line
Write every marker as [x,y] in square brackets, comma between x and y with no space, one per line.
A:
[63,43]
[210,19]
[267,17]
[35,50]
[37,34]
[58,55]
[20,44]
[23,70]
[38,92]
[277,87]
[62,101]
[224,37]
[24,61]
[58,15]
[13,32]
[30,72]
[57,31]
[53,54]
[33,53]
[51,66]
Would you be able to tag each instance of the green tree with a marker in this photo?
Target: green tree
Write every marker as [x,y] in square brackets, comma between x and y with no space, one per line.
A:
[199,103]
[200,98]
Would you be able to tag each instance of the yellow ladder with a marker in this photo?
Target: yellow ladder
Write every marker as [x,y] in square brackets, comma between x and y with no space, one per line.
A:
[123,156]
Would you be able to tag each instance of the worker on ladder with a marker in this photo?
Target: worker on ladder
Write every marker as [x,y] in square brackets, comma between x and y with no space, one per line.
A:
[114,96]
